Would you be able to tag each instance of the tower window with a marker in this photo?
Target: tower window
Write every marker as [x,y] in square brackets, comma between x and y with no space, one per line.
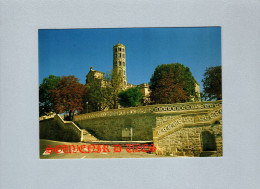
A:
[119,55]
[123,63]
[119,63]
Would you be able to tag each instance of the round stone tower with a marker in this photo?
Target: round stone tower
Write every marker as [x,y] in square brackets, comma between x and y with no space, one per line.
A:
[119,62]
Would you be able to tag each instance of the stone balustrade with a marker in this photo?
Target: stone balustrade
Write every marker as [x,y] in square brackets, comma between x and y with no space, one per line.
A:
[193,119]
[183,134]
[160,108]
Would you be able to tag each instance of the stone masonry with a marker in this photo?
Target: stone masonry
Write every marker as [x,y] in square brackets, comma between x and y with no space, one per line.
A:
[181,129]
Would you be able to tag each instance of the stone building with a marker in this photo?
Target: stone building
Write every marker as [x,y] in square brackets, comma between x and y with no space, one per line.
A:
[119,65]
[119,62]
[93,74]
[144,88]
[197,91]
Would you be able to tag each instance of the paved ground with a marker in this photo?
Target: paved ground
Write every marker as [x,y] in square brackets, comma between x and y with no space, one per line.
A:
[99,152]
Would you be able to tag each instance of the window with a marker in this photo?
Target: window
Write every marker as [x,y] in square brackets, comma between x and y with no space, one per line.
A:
[123,63]
[119,55]
[119,49]
[119,63]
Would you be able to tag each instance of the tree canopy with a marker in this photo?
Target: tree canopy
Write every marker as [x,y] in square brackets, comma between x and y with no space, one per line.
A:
[131,97]
[212,83]
[45,98]
[103,93]
[172,83]
[112,86]
[94,96]
[68,96]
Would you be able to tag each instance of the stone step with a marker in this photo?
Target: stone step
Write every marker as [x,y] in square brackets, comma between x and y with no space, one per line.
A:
[87,137]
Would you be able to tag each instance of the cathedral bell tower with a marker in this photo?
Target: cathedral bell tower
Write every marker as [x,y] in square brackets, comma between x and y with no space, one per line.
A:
[119,62]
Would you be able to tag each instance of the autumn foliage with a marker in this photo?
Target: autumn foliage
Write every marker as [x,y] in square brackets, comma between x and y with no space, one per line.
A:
[168,90]
[68,96]
[172,83]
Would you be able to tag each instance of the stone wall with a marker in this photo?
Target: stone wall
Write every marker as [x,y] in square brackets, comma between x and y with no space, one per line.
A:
[188,142]
[58,129]
[190,133]
[111,127]
[181,129]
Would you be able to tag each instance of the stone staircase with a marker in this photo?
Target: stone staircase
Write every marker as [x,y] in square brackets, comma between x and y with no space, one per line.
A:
[87,137]
[181,121]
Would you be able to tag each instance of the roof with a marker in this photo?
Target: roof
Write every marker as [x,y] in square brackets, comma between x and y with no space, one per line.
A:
[119,44]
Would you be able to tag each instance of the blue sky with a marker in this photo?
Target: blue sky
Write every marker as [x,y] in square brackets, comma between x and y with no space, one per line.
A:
[66,52]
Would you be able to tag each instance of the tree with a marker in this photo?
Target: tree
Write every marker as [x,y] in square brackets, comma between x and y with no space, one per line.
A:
[94,100]
[172,83]
[102,93]
[45,98]
[131,97]
[112,86]
[68,96]
[212,83]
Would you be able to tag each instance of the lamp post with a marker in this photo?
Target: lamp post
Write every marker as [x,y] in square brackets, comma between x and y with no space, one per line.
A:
[87,106]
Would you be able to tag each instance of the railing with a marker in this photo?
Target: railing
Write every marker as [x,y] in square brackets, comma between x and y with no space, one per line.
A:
[160,108]
[189,106]
[180,121]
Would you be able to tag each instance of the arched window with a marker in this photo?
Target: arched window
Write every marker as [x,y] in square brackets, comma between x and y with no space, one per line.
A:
[119,63]
[208,141]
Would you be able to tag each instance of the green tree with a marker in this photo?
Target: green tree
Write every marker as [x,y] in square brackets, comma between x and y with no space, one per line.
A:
[68,96]
[112,85]
[94,100]
[212,83]
[131,97]
[45,98]
[172,83]
[102,93]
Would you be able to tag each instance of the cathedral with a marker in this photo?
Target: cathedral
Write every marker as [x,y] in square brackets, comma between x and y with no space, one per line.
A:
[119,65]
